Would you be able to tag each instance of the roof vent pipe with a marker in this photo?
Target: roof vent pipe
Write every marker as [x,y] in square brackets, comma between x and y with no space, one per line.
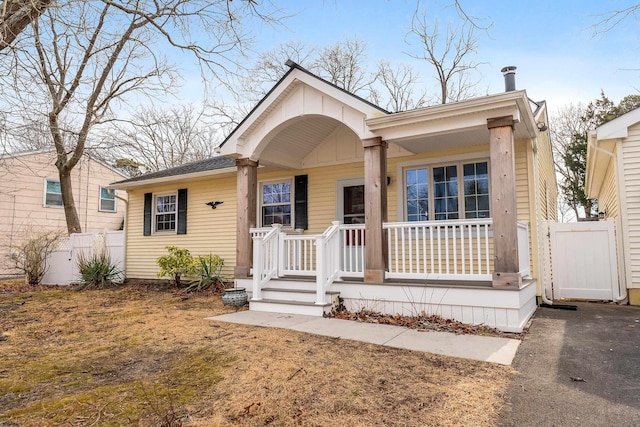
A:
[509,78]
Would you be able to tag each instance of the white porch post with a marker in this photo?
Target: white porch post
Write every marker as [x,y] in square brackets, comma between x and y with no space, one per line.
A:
[246,211]
[375,213]
[503,190]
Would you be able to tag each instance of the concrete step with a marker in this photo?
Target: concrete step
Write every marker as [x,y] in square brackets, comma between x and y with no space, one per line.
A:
[301,295]
[290,307]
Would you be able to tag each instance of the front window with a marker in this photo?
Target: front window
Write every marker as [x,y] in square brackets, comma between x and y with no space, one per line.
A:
[165,213]
[107,200]
[435,192]
[275,203]
[53,194]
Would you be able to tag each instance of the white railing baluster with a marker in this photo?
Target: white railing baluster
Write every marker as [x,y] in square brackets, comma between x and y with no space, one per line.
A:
[451,243]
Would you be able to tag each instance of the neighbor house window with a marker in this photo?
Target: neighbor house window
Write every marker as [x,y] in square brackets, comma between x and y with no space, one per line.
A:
[165,213]
[107,200]
[275,203]
[53,194]
[434,192]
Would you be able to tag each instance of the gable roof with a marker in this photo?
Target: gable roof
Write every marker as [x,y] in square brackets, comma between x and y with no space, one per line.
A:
[292,67]
[193,169]
[618,127]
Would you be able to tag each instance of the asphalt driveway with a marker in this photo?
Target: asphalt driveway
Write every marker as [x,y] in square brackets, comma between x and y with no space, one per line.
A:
[578,368]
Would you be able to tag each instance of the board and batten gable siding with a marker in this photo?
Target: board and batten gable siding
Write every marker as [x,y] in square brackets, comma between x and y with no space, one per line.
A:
[22,192]
[631,194]
[209,231]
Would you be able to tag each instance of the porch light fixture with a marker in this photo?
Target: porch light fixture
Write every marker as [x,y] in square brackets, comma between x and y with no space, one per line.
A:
[214,204]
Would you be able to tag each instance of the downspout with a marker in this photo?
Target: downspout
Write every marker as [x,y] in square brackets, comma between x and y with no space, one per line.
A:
[593,143]
[541,263]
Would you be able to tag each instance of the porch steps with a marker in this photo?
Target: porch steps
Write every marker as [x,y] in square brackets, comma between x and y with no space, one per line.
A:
[293,297]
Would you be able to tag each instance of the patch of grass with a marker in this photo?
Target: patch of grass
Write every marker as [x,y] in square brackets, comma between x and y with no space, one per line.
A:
[146,356]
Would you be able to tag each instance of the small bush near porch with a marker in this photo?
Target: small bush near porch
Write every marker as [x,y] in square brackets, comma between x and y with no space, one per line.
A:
[144,355]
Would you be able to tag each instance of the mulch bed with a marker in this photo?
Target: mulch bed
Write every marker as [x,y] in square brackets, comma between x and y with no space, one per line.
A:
[423,323]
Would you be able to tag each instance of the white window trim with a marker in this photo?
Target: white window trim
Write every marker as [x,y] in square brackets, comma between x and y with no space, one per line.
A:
[44,195]
[115,201]
[154,213]
[292,199]
[459,161]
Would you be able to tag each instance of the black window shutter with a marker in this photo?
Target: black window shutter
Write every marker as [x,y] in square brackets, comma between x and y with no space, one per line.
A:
[300,191]
[182,211]
[148,200]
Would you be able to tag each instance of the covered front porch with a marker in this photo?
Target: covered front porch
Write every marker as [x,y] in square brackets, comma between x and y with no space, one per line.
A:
[448,258]
[437,267]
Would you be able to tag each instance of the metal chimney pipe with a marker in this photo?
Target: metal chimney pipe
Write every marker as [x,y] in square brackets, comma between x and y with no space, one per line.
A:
[509,73]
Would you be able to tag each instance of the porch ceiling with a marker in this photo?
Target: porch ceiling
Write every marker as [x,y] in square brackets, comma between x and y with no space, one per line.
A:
[290,145]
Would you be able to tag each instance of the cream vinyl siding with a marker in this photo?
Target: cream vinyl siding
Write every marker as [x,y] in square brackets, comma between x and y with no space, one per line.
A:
[22,196]
[208,230]
[547,179]
[631,194]
[608,198]
[215,230]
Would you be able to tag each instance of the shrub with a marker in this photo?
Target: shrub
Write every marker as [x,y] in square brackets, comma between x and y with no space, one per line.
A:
[97,271]
[178,263]
[207,271]
[31,256]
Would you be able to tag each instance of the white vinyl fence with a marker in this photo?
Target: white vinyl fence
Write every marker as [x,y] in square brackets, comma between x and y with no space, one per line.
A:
[63,262]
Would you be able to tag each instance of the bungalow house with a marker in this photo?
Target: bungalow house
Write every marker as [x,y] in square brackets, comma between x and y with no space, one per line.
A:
[318,193]
[31,200]
[613,162]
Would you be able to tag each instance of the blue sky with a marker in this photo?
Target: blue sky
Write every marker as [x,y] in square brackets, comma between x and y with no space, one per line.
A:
[551,42]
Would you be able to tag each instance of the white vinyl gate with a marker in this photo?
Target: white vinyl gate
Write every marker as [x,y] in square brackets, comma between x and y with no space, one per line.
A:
[583,260]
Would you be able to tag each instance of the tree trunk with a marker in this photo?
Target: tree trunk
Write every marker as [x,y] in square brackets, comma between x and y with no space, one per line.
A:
[15,17]
[70,212]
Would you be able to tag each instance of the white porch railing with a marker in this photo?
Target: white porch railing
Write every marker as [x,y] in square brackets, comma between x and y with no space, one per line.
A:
[523,249]
[453,250]
[440,249]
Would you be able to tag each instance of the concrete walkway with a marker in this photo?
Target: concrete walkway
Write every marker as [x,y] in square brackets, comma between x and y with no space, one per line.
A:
[475,347]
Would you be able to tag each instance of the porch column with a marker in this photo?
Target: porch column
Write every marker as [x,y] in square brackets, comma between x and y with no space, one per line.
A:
[246,211]
[503,190]
[375,211]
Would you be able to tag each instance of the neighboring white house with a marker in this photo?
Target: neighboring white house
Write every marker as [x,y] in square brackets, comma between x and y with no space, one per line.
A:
[613,177]
[31,200]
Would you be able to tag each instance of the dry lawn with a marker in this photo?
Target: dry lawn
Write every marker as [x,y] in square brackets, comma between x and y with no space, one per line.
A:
[145,356]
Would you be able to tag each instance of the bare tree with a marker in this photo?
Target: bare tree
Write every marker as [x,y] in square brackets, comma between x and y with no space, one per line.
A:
[82,61]
[398,83]
[449,53]
[160,139]
[342,65]
[16,15]
[609,20]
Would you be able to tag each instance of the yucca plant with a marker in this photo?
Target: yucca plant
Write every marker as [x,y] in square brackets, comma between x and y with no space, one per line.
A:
[97,271]
[207,271]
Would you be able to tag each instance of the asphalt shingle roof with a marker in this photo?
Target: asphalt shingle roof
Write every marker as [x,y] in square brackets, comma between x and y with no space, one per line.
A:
[209,164]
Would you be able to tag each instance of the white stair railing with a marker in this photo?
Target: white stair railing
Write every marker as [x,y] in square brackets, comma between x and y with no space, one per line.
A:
[327,260]
[265,257]
[440,249]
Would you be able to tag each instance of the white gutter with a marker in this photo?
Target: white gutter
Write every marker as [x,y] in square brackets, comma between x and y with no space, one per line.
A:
[592,141]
